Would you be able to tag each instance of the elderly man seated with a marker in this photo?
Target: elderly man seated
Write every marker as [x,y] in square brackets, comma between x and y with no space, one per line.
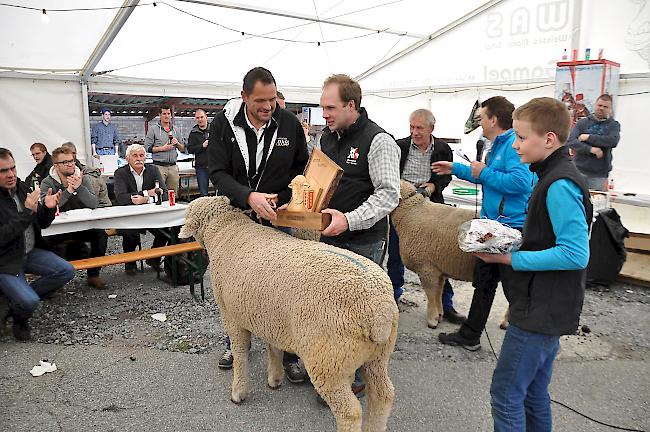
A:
[135,184]
[76,193]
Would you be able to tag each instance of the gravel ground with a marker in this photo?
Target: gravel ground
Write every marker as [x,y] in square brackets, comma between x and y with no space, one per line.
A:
[617,318]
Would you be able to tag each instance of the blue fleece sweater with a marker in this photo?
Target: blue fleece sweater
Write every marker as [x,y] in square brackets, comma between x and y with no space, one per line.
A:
[567,214]
[507,183]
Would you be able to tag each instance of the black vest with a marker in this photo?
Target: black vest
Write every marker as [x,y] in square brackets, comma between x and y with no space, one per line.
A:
[350,152]
[547,302]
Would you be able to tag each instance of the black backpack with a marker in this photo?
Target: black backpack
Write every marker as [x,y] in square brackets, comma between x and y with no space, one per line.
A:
[607,248]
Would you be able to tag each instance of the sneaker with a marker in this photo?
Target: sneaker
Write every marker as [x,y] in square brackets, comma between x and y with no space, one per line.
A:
[225,362]
[22,330]
[454,317]
[456,339]
[296,372]
[4,310]
[96,282]
[154,264]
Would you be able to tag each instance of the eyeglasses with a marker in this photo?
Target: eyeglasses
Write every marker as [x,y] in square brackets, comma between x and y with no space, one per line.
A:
[65,162]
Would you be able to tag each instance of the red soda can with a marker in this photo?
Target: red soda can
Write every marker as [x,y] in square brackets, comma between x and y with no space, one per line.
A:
[172,197]
[57,211]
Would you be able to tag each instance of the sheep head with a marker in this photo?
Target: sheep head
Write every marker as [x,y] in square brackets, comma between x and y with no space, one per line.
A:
[406,190]
[200,212]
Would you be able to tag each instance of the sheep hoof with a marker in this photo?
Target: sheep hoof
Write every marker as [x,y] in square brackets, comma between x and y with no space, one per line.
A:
[274,384]
[432,324]
[503,325]
[237,398]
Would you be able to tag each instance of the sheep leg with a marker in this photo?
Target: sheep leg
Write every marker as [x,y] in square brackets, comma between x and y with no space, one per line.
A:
[505,320]
[240,340]
[275,371]
[432,283]
[381,395]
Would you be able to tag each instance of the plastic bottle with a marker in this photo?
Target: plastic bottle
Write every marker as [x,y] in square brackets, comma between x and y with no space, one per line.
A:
[610,187]
[565,55]
[587,53]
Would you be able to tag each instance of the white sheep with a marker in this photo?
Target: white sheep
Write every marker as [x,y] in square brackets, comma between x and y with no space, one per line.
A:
[428,243]
[333,308]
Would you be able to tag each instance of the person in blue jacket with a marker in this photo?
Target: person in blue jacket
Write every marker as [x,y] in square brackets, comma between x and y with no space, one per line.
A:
[545,278]
[506,183]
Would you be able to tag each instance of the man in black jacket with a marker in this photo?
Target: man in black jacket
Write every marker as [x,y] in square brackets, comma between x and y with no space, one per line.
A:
[419,151]
[197,144]
[255,149]
[22,251]
[135,184]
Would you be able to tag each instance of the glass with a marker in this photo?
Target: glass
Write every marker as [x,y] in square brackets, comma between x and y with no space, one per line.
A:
[65,162]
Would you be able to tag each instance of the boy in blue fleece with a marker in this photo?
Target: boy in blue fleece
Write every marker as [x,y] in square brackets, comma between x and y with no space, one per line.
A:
[546,280]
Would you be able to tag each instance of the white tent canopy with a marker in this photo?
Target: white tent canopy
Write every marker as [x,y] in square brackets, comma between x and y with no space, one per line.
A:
[407,54]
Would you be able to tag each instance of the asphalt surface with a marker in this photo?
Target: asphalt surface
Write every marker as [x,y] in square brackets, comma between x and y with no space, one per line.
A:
[120,370]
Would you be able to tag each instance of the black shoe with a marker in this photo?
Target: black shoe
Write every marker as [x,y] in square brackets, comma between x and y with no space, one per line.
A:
[154,264]
[225,362]
[296,373]
[22,330]
[5,310]
[454,317]
[456,339]
[131,269]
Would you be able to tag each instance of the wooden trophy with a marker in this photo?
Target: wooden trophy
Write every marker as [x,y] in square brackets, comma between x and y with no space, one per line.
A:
[310,193]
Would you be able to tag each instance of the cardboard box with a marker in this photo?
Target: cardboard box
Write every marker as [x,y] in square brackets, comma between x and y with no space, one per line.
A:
[323,176]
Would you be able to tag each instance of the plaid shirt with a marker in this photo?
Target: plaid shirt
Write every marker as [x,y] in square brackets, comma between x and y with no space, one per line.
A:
[104,136]
[417,168]
[383,166]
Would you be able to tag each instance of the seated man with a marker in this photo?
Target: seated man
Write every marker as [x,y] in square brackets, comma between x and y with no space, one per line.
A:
[76,193]
[135,184]
[22,251]
[100,189]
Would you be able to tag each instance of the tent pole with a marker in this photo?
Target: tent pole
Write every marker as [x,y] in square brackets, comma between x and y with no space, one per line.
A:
[85,118]
[108,37]
[408,50]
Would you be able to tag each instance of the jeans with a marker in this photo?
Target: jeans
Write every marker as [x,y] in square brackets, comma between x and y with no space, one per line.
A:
[373,251]
[519,390]
[96,237]
[203,180]
[596,183]
[54,272]
[395,269]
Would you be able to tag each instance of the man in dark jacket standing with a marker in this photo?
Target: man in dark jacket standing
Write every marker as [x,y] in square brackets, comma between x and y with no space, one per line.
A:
[592,140]
[197,144]
[419,151]
[255,149]
[369,188]
[22,251]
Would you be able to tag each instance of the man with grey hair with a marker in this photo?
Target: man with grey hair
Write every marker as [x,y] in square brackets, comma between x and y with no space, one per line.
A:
[419,151]
[99,187]
[135,184]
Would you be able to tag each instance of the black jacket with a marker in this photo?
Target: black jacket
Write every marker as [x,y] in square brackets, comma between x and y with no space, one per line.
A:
[195,145]
[350,151]
[547,302]
[41,170]
[441,152]
[125,183]
[12,228]
[284,146]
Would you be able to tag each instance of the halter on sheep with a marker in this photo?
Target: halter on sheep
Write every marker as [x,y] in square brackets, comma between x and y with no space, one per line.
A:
[333,308]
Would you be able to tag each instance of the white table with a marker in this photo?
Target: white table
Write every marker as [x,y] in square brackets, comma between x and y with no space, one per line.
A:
[119,217]
[184,167]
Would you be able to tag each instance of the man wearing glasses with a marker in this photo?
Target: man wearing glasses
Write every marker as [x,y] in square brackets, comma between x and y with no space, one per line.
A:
[76,193]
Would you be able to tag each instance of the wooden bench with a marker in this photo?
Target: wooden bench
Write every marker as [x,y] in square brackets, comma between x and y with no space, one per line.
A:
[197,268]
